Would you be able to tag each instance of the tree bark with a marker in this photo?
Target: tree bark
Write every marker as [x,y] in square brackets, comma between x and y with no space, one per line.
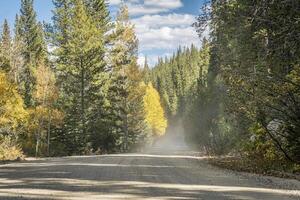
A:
[82,94]
[49,130]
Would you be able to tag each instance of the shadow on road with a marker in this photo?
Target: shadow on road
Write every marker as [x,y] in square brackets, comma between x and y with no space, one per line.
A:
[129,176]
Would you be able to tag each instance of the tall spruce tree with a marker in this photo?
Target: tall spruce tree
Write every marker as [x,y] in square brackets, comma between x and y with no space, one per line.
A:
[126,91]
[34,48]
[5,48]
[17,56]
[98,9]
[146,71]
[80,64]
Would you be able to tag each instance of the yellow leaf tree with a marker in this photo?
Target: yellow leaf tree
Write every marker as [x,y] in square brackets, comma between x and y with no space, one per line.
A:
[12,112]
[13,118]
[45,114]
[154,111]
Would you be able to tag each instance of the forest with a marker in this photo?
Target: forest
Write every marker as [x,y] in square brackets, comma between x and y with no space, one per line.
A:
[240,93]
[74,87]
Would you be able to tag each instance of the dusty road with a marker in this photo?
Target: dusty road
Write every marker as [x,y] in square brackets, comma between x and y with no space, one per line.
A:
[136,176]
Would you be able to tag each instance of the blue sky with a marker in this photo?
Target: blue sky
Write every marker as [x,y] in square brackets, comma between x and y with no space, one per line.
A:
[161,25]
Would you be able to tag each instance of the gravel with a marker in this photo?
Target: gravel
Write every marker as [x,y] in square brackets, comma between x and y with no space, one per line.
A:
[153,175]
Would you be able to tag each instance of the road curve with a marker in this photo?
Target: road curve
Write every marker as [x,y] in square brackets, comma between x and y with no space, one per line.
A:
[136,176]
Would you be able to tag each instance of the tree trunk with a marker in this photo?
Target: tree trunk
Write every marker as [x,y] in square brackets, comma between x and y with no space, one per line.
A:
[48,140]
[126,133]
[82,102]
[37,146]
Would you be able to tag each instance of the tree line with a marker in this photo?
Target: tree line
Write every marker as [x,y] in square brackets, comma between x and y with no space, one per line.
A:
[73,86]
[240,92]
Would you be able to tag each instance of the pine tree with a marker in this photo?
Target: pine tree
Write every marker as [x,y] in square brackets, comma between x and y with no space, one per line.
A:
[146,71]
[5,48]
[98,9]
[80,58]
[17,57]
[61,21]
[174,77]
[34,47]
[125,90]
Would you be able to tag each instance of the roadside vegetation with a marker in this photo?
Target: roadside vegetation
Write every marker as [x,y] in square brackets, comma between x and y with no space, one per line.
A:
[240,93]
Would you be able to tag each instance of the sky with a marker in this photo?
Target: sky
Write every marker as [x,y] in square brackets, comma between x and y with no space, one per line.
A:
[161,25]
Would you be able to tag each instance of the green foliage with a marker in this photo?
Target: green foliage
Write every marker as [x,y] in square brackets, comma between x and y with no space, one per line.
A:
[5,48]
[87,96]
[34,49]
[254,62]
[82,74]
[174,78]
[125,90]
[239,92]
[191,93]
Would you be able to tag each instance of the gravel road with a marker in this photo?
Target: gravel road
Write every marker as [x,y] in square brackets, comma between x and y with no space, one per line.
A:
[178,175]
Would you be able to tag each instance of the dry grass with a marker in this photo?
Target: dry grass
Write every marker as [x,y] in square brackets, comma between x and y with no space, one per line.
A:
[246,165]
[9,150]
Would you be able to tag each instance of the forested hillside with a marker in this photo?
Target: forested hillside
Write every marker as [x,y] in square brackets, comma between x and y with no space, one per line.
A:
[73,86]
[240,92]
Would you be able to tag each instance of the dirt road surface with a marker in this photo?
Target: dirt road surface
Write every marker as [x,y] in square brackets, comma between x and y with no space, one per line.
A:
[153,175]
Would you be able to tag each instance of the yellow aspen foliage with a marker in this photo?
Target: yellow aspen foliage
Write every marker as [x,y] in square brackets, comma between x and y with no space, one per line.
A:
[46,91]
[13,118]
[45,114]
[12,112]
[154,111]
[45,95]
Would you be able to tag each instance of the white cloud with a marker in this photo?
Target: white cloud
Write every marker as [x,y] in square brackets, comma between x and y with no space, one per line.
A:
[165,31]
[167,38]
[170,20]
[141,60]
[141,7]
[169,4]
[114,2]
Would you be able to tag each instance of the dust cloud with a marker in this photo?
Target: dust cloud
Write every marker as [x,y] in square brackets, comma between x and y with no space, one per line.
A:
[173,142]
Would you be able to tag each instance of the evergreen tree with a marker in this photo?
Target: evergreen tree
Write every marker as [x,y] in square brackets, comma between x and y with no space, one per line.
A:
[17,57]
[5,48]
[174,77]
[125,91]
[146,71]
[254,61]
[98,9]
[61,21]
[81,69]
[34,48]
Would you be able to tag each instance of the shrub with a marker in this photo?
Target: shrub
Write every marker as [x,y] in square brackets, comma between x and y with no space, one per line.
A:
[9,150]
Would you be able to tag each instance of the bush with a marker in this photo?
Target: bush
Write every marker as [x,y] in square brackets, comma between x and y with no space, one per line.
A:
[261,151]
[9,150]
